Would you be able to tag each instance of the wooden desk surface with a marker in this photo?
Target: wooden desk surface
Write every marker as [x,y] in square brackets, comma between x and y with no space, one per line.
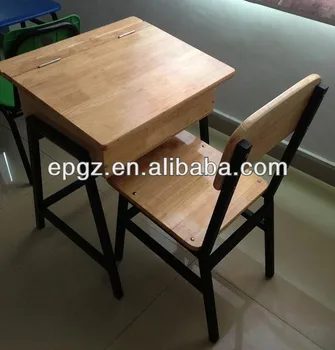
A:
[107,91]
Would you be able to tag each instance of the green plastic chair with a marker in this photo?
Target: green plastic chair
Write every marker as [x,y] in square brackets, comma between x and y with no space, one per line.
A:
[21,41]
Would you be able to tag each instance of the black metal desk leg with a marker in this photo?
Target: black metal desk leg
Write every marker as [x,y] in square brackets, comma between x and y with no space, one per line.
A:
[204,130]
[106,245]
[36,173]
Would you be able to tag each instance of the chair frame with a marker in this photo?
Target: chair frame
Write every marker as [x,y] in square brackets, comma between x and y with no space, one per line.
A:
[11,114]
[262,218]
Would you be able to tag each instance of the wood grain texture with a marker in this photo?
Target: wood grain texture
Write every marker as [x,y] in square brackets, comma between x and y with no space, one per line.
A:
[272,123]
[30,107]
[183,205]
[65,48]
[106,89]
[149,135]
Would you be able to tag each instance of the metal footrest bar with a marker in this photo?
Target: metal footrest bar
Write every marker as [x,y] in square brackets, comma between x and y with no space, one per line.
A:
[75,238]
[54,198]
[169,258]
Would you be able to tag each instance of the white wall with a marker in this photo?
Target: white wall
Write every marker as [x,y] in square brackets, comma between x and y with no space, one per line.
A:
[269,49]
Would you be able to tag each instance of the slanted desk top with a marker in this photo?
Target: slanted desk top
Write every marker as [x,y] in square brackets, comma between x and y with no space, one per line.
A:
[123,89]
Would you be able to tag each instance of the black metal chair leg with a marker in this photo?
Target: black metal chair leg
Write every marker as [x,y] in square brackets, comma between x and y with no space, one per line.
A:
[209,301]
[120,227]
[204,130]
[35,159]
[20,146]
[54,16]
[106,244]
[269,238]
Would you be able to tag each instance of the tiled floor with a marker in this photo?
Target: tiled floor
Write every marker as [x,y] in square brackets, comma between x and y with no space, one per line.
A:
[53,296]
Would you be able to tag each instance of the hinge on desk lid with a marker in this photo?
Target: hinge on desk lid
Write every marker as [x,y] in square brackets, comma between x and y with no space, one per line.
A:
[49,62]
[126,34]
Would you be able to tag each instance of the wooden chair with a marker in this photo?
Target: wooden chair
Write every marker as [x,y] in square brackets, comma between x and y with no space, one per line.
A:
[193,211]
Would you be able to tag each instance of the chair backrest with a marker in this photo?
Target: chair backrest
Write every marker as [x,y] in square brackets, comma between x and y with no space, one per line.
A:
[292,111]
[272,123]
[27,39]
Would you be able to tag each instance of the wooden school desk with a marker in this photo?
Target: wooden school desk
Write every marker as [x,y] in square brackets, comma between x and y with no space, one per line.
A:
[111,94]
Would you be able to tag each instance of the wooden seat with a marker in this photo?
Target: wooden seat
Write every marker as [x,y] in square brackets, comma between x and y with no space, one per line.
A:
[183,205]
